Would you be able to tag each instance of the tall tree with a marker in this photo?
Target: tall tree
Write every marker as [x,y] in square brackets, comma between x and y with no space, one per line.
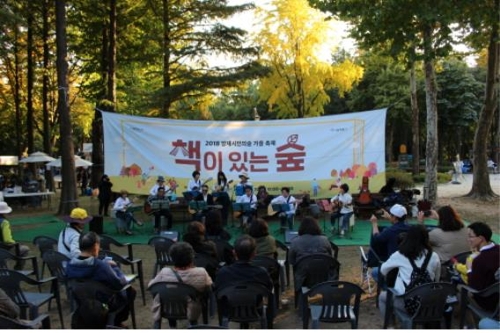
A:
[481,19]
[69,197]
[290,42]
[415,29]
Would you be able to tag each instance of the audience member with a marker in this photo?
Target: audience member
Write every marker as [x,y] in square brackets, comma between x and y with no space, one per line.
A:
[87,265]
[242,271]
[6,235]
[266,244]
[415,246]
[213,226]
[450,236]
[483,269]
[384,244]
[195,236]
[8,307]
[184,271]
[309,241]
[69,237]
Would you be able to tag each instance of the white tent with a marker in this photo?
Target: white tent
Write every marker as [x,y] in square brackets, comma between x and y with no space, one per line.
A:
[79,162]
[37,157]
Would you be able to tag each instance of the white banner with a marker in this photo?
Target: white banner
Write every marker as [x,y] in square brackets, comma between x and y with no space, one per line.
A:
[313,155]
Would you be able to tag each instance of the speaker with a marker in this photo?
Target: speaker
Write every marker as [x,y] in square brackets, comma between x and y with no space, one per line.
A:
[96,225]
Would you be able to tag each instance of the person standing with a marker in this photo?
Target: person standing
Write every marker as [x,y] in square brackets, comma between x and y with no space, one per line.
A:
[6,235]
[105,194]
[240,187]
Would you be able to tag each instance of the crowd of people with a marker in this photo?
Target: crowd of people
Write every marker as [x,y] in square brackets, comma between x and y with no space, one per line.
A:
[400,246]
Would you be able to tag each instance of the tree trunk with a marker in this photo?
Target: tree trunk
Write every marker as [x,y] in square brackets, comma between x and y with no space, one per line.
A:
[69,197]
[17,97]
[47,147]
[29,86]
[112,55]
[481,187]
[431,160]
[415,128]
[166,61]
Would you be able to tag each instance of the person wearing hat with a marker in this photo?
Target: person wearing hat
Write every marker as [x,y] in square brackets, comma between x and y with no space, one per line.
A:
[6,235]
[384,243]
[160,182]
[240,187]
[70,235]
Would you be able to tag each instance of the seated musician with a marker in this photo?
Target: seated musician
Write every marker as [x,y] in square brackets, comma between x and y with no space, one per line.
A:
[286,217]
[120,207]
[195,183]
[342,205]
[250,198]
[240,187]
[207,198]
[160,198]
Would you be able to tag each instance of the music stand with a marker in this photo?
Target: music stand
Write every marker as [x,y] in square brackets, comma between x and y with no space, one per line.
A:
[241,206]
[281,208]
[290,235]
[197,205]
[160,204]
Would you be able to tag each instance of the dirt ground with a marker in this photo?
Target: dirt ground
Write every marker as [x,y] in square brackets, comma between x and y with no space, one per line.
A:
[349,256]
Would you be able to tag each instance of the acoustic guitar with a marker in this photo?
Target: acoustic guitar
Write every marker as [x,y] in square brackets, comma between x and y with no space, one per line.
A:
[204,183]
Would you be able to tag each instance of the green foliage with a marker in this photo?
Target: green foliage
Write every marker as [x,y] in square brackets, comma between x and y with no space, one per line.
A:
[404,179]
[443,178]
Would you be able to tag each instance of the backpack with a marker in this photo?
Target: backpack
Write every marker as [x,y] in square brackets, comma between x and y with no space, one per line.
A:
[419,276]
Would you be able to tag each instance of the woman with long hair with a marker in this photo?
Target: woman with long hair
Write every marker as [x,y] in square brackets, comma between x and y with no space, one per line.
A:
[415,247]
[450,236]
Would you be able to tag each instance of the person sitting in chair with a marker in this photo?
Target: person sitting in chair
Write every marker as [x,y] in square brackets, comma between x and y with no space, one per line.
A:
[69,237]
[342,202]
[153,200]
[88,266]
[286,217]
[6,235]
[208,199]
[250,198]
[120,207]
[184,271]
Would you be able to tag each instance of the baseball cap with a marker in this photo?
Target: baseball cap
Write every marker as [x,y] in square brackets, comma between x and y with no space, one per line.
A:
[398,210]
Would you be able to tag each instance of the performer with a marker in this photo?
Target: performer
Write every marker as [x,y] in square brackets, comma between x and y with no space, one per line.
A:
[222,195]
[195,183]
[162,211]
[120,207]
[286,217]
[240,188]
[207,198]
[343,202]
[250,198]
[160,182]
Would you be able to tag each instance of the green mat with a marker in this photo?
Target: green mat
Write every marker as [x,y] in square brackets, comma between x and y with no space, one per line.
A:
[25,229]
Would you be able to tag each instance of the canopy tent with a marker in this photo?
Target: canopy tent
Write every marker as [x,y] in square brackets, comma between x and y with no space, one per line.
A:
[37,157]
[79,162]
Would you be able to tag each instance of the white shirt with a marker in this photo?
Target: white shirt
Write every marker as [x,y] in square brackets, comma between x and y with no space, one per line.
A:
[194,183]
[288,200]
[248,199]
[155,187]
[240,184]
[397,260]
[72,240]
[121,203]
[346,201]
